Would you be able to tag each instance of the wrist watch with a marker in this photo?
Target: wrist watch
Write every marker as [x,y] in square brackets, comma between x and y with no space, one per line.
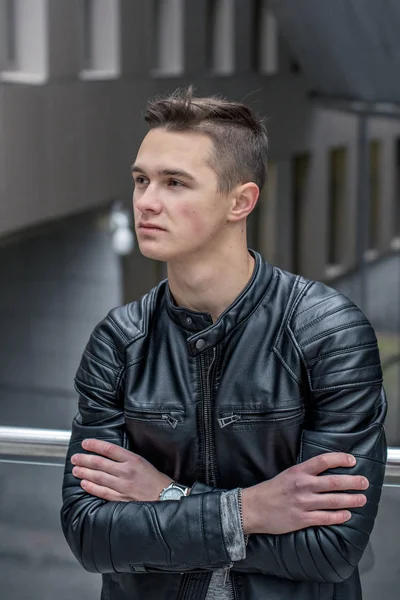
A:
[174,491]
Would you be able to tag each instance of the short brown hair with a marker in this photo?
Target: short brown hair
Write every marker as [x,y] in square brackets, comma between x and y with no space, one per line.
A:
[238,134]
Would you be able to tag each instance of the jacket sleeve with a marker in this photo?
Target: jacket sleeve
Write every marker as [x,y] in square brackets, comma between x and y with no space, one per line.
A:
[346,407]
[136,536]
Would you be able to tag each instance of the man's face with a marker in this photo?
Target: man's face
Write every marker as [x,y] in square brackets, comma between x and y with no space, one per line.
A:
[178,210]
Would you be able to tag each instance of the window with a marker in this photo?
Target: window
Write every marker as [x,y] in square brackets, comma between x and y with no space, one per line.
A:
[300,171]
[221,39]
[100,39]
[336,203]
[8,35]
[264,38]
[24,40]
[374,194]
[265,50]
[169,41]
[87,33]
[256,34]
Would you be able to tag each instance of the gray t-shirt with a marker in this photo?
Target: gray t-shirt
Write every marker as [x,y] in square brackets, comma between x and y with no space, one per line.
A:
[220,585]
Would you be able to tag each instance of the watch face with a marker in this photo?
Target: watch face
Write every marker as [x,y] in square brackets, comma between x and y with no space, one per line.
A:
[172,494]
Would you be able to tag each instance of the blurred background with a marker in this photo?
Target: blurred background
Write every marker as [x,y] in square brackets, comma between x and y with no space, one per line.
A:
[75,76]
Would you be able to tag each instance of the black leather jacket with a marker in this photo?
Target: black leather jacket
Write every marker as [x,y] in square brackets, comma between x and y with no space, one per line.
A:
[290,370]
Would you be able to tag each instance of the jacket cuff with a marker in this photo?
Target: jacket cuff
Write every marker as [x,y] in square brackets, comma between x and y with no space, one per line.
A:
[232,525]
[203,488]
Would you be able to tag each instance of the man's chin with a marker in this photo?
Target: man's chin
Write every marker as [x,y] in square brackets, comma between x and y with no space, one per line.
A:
[154,253]
[164,252]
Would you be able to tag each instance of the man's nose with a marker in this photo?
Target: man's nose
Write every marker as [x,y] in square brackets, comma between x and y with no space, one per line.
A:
[148,200]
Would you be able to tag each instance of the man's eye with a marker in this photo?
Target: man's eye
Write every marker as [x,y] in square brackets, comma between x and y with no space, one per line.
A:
[175,183]
[139,180]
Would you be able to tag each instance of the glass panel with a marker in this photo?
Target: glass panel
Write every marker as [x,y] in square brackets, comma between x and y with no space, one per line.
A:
[31,540]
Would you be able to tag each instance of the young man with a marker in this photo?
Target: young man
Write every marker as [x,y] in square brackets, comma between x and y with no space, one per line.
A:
[229,441]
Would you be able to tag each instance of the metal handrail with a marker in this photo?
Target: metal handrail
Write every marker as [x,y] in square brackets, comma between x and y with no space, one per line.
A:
[33,445]
[40,444]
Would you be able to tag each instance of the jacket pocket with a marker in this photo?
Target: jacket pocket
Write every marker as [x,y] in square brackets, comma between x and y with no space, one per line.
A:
[243,418]
[161,416]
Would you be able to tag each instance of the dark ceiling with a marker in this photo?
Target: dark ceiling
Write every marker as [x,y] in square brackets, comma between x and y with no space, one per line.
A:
[349,49]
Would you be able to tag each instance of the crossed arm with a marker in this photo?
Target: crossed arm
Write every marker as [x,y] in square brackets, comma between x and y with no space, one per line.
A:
[295,499]
[110,500]
[116,474]
[301,530]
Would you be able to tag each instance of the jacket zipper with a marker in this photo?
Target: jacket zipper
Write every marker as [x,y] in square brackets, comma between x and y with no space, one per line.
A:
[210,474]
[258,417]
[209,458]
[210,467]
[185,587]
[152,416]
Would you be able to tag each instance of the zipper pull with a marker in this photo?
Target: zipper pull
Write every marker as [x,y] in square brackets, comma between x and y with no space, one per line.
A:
[227,574]
[170,420]
[224,421]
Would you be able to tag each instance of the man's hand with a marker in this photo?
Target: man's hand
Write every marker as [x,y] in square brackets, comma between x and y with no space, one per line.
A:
[299,497]
[116,474]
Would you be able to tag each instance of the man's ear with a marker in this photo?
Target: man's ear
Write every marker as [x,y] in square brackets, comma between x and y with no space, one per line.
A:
[244,199]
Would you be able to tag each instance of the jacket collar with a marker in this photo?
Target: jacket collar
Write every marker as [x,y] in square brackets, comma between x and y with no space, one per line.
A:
[203,333]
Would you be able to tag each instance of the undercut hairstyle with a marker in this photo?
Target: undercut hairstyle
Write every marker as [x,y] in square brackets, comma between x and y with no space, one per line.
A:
[239,136]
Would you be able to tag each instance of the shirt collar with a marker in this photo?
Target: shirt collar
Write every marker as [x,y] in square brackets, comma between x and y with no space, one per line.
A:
[203,333]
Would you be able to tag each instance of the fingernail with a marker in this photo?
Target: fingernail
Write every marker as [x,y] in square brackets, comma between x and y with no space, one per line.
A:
[365,483]
[352,460]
